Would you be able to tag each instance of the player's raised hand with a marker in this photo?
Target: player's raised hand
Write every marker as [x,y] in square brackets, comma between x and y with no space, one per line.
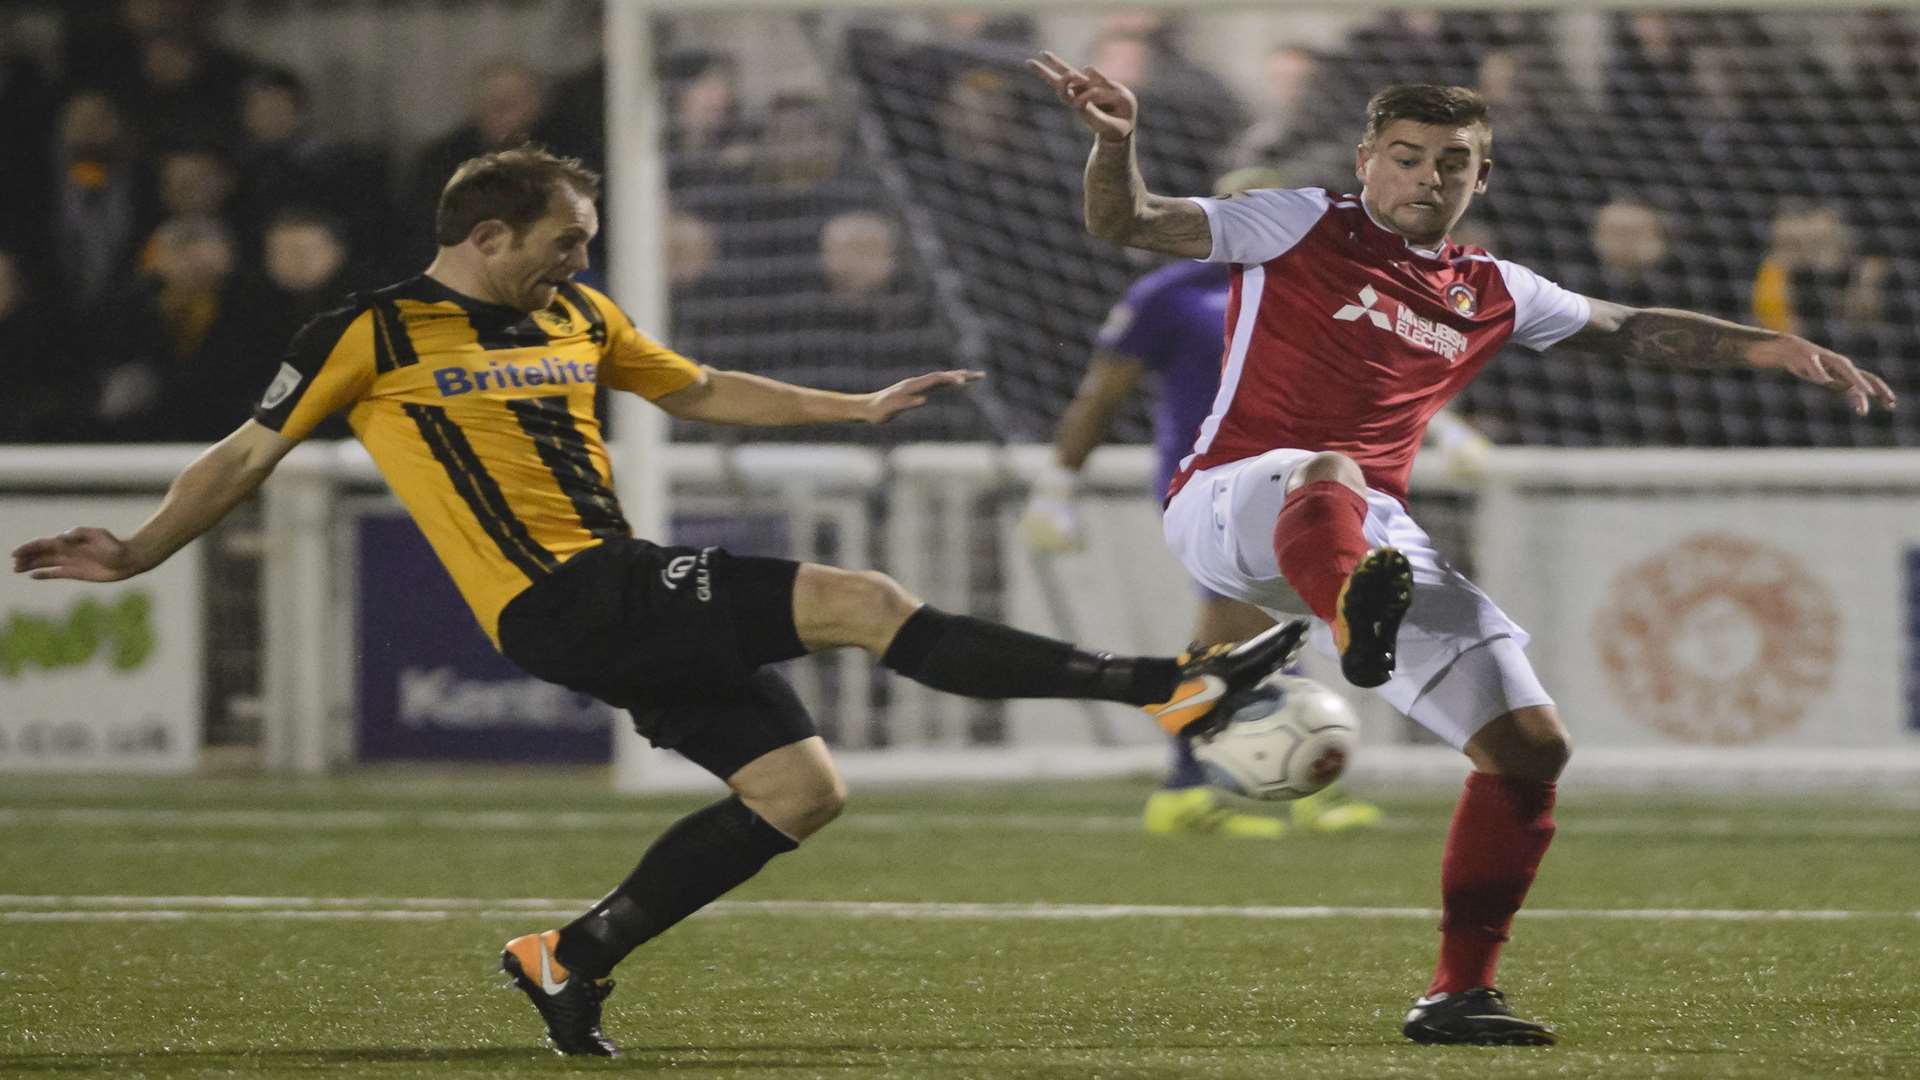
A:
[1108,108]
[881,405]
[83,554]
[1822,367]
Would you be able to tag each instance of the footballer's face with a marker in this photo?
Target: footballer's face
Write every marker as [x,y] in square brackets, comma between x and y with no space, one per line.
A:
[524,271]
[1417,178]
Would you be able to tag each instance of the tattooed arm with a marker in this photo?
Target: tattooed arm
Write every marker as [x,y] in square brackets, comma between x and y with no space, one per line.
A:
[1118,205]
[1672,338]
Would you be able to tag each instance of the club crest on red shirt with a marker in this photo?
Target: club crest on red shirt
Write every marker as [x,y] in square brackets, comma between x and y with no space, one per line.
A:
[1461,298]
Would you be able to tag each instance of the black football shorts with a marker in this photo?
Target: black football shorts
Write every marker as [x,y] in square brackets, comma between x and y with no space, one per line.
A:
[675,635]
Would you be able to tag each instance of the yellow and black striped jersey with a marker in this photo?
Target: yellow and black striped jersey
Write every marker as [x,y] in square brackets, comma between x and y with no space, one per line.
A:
[481,418]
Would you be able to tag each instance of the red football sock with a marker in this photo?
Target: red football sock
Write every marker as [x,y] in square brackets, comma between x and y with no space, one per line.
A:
[1319,540]
[1501,830]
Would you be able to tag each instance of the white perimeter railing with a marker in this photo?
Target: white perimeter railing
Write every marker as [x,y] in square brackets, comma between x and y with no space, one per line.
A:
[1558,536]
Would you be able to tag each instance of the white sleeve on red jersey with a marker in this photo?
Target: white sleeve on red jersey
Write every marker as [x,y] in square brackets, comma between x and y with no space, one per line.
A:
[1544,314]
[1254,226]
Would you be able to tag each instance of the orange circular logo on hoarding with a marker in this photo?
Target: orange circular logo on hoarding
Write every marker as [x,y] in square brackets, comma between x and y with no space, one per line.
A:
[1719,640]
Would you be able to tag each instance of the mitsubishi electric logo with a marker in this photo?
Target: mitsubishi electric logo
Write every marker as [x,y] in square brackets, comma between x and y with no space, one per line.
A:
[1368,298]
[1414,330]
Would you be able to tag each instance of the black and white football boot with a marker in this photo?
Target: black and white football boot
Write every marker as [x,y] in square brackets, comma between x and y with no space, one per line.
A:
[1477,1017]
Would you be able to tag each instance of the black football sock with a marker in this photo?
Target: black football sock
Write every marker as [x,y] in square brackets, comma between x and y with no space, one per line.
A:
[698,858]
[964,655]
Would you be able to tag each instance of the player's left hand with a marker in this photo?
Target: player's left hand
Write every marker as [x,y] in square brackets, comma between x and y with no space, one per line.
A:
[1459,448]
[1050,524]
[880,406]
[82,554]
[1804,360]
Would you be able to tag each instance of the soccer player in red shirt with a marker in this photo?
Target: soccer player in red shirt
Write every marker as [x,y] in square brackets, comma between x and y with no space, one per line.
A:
[1352,320]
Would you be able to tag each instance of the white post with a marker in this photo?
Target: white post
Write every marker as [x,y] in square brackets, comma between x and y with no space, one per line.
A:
[636,192]
[298,654]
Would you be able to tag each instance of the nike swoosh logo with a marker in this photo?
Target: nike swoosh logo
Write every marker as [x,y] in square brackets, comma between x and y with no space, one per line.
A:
[546,972]
[1212,688]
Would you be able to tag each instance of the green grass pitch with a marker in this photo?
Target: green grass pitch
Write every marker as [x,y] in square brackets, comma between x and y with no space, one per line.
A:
[252,927]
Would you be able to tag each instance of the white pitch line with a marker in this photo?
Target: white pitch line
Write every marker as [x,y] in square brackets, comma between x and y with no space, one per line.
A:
[109,908]
[158,818]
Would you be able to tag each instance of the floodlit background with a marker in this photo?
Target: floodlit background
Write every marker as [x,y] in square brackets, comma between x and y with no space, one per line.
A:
[1721,571]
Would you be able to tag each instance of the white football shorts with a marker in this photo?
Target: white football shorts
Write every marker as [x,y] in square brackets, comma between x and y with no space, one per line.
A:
[1460,662]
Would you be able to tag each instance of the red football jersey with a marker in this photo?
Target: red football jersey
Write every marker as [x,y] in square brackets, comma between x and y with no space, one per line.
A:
[1342,336]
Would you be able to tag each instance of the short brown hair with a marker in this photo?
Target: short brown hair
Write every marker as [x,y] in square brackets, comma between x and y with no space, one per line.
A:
[1429,103]
[514,186]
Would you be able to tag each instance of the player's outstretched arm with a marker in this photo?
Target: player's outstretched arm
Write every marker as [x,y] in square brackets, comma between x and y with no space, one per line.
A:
[735,397]
[1117,205]
[200,496]
[1675,338]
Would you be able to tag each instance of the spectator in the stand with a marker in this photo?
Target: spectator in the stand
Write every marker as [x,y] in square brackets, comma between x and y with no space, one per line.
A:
[1205,117]
[577,120]
[1541,168]
[1292,132]
[1885,63]
[709,139]
[802,148]
[1647,79]
[1720,115]
[859,254]
[195,181]
[862,268]
[702,311]
[191,182]
[1167,62]
[287,161]
[508,107]
[307,263]
[1814,280]
[1414,46]
[975,25]
[693,250]
[161,61]
[27,112]
[44,399]
[803,171]
[1632,256]
[179,359]
[190,87]
[99,201]
[975,118]
[308,269]
[852,312]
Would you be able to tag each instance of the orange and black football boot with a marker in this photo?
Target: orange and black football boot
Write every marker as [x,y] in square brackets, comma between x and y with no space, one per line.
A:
[1215,681]
[569,1004]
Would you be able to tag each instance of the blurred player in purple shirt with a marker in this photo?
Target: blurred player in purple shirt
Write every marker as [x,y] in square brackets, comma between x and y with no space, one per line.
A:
[1170,324]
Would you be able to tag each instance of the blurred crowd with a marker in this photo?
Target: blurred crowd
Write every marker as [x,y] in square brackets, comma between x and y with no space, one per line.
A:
[1717,161]
[173,211]
[171,217]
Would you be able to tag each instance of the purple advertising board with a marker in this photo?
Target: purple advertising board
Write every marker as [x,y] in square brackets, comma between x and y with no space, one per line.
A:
[433,688]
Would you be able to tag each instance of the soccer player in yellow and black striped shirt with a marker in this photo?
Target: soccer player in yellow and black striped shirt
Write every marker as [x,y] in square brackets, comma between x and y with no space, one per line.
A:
[472,386]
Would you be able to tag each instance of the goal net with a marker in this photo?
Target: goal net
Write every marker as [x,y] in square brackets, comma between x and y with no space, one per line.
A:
[1744,163]
[878,192]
